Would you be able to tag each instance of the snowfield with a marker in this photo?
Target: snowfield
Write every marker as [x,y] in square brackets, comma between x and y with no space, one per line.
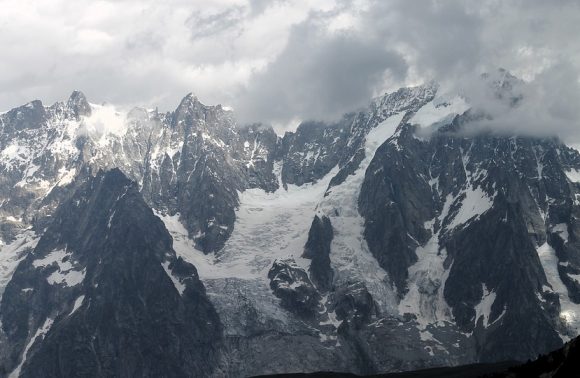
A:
[257,240]
[11,255]
[350,256]
[569,311]
[269,227]
[440,111]
[275,226]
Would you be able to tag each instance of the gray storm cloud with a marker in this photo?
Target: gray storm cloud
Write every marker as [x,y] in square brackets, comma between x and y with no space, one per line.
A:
[545,106]
[279,61]
[318,76]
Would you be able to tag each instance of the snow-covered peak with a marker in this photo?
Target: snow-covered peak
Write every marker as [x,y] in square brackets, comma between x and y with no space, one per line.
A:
[404,99]
[504,85]
[440,111]
[189,102]
[501,78]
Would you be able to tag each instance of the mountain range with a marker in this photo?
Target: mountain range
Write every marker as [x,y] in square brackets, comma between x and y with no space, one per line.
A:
[180,244]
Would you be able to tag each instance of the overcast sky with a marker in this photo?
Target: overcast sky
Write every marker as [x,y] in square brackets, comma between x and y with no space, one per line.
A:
[282,61]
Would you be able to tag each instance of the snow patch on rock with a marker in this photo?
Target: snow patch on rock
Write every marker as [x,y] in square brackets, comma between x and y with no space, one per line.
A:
[65,273]
[573,175]
[43,330]
[425,297]
[350,256]
[11,255]
[440,111]
[78,303]
[562,230]
[474,202]
[179,286]
[569,311]
[483,308]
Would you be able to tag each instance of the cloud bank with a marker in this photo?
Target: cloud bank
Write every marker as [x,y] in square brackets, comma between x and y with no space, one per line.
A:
[280,61]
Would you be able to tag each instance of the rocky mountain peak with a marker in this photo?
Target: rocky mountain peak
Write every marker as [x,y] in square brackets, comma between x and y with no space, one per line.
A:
[104,277]
[404,99]
[505,86]
[25,117]
[78,104]
[192,115]
[189,102]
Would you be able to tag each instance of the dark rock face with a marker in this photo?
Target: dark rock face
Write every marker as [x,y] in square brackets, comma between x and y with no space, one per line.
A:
[317,249]
[489,203]
[516,279]
[79,105]
[104,285]
[260,150]
[395,203]
[405,101]
[291,284]
[561,363]
[199,181]
[196,162]
[354,306]
[315,148]
[312,151]
[30,116]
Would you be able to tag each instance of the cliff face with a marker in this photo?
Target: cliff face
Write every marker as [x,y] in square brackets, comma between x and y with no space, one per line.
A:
[105,286]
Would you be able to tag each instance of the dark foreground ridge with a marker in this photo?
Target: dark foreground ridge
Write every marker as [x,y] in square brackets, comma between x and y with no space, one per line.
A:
[466,371]
[561,363]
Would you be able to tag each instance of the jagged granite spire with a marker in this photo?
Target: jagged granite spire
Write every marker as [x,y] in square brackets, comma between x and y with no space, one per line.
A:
[78,104]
